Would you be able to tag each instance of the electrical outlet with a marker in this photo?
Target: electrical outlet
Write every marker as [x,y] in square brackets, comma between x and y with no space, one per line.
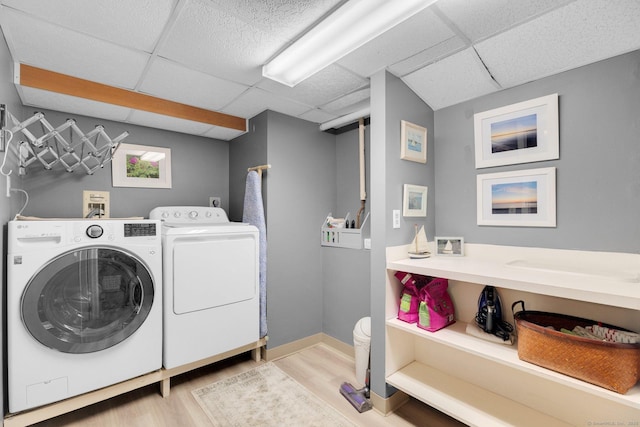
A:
[214,202]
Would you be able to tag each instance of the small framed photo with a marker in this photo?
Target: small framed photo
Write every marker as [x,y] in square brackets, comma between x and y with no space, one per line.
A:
[525,198]
[519,133]
[415,201]
[141,166]
[449,246]
[414,142]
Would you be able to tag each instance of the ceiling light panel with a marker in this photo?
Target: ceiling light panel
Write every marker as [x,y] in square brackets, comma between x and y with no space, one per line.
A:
[465,79]
[481,19]
[418,33]
[349,27]
[136,24]
[218,43]
[577,34]
[188,86]
[54,48]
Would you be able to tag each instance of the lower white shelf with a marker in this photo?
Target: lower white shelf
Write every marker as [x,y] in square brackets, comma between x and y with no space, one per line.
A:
[466,402]
[456,337]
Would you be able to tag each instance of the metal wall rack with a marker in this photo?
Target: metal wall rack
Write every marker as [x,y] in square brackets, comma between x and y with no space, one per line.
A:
[88,151]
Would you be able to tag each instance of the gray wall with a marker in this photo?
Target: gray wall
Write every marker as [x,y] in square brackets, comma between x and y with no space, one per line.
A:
[9,97]
[598,178]
[346,272]
[392,101]
[200,168]
[301,190]
[247,151]
[310,289]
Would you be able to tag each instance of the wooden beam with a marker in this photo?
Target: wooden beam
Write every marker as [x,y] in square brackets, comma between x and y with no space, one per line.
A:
[61,83]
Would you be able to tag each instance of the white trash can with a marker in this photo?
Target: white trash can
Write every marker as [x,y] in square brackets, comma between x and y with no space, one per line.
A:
[362,346]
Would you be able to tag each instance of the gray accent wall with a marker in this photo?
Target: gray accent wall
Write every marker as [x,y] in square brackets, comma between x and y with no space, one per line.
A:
[598,173]
[346,272]
[300,191]
[245,152]
[199,166]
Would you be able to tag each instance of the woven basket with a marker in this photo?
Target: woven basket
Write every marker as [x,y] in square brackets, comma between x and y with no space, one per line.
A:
[614,366]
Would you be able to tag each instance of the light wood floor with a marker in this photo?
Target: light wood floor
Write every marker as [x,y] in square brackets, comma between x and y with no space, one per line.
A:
[320,368]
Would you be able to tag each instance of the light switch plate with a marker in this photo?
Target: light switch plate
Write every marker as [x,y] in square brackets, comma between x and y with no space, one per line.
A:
[396,218]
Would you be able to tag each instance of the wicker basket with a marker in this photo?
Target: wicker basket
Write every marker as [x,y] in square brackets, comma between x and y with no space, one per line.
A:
[614,366]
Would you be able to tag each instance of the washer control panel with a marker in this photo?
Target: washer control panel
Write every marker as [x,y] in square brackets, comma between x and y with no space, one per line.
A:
[185,215]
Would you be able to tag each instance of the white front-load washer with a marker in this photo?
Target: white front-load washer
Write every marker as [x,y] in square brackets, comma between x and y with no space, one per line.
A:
[211,275]
[84,306]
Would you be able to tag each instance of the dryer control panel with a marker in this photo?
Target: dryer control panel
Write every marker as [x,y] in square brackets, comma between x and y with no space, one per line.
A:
[185,215]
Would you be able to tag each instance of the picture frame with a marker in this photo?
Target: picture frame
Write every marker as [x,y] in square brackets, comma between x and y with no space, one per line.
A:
[413,142]
[414,201]
[525,198]
[449,246]
[518,133]
[141,166]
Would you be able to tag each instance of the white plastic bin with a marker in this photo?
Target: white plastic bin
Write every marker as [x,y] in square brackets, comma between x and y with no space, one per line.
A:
[362,346]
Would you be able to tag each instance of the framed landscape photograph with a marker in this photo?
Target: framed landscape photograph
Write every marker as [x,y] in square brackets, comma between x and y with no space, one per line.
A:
[524,198]
[141,166]
[413,142]
[519,133]
[449,246]
[414,201]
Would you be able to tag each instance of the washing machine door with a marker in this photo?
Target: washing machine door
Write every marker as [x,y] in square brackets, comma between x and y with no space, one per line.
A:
[87,300]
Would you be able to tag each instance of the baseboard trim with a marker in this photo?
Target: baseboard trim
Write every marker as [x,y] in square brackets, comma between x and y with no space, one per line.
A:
[390,404]
[301,344]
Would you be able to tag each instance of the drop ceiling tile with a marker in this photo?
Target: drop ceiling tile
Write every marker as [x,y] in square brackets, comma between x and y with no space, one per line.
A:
[346,102]
[136,24]
[428,56]
[218,43]
[54,48]
[418,33]
[455,79]
[224,134]
[255,100]
[481,19]
[188,86]
[70,104]
[580,33]
[288,18]
[327,85]
[318,116]
[159,121]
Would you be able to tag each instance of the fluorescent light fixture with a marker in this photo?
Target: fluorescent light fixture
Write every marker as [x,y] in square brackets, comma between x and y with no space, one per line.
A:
[349,27]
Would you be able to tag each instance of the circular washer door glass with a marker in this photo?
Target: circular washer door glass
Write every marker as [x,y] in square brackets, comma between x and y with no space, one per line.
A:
[87,300]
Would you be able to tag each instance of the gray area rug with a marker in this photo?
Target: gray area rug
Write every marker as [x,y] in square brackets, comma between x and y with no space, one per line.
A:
[265,396]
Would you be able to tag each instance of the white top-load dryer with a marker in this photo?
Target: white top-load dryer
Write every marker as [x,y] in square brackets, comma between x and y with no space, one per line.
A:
[210,276]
